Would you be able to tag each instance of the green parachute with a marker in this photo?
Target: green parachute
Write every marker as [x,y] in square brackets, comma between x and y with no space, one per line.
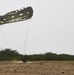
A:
[16,15]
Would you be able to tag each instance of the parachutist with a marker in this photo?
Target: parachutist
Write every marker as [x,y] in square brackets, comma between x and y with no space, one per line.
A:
[24,58]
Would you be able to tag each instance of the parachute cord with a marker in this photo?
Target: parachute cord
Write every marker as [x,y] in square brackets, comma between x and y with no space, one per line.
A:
[27,30]
[21,43]
[10,34]
[4,39]
[22,36]
[8,39]
[12,40]
[25,41]
[19,35]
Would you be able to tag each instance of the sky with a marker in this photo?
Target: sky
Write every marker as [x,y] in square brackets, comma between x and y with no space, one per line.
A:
[51,28]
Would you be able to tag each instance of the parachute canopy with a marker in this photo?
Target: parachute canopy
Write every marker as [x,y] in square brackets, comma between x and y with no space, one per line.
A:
[16,15]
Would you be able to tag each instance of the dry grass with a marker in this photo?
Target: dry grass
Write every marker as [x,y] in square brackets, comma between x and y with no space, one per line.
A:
[37,68]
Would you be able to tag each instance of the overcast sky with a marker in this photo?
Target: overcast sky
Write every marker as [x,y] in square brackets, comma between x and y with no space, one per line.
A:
[51,27]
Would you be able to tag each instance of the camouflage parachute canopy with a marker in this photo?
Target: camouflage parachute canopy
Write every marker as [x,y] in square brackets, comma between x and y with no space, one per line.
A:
[16,15]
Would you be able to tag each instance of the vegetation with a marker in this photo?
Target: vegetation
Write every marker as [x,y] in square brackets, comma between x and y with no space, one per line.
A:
[8,54]
[50,56]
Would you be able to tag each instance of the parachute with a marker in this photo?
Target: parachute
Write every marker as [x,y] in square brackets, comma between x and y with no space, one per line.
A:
[14,28]
[16,15]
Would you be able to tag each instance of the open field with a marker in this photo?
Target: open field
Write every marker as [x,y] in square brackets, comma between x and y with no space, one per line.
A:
[37,68]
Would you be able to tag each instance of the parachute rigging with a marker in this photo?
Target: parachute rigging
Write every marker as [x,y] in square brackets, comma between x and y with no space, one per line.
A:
[20,30]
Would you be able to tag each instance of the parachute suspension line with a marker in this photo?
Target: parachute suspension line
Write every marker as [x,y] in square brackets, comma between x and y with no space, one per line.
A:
[4,39]
[10,40]
[11,27]
[21,35]
[25,41]
[22,28]
[18,29]
[15,37]
[27,30]
[18,33]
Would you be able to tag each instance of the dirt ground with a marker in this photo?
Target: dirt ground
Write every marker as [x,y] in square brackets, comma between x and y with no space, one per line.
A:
[37,68]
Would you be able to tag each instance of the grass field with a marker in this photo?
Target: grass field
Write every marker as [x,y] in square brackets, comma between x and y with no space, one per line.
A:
[37,68]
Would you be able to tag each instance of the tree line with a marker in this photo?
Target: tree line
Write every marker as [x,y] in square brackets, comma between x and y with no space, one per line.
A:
[8,54]
[50,56]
